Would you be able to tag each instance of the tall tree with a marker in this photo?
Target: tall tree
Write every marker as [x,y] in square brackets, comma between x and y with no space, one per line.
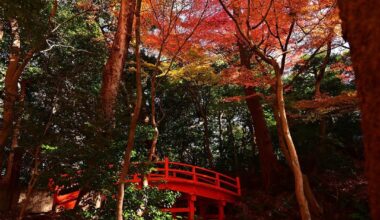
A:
[134,120]
[116,60]
[18,59]
[268,162]
[11,90]
[361,29]
[267,31]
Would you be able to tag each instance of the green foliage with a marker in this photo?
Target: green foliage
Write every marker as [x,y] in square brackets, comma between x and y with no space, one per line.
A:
[148,199]
[46,147]
[139,204]
[32,17]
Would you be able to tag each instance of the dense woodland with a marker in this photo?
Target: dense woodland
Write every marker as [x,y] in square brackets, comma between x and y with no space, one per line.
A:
[284,94]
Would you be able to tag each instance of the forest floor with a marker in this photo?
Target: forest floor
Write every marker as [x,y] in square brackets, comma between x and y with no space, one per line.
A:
[342,196]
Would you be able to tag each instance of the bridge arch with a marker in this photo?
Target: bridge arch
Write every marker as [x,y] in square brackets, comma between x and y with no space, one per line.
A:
[196,183]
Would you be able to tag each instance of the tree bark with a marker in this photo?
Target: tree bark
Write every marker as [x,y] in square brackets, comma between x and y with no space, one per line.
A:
[268,161]
[246,48]
[16,134]
[14,70]
[10,87]
[280,133]
[134,120]
[322,70]
[317,95]
[14,183]
[12,76]
[298,176]
[112,73]
[153,87]
[278,69]
[220,135]
[361,28]
[153,147]
[10,182]
[115,63]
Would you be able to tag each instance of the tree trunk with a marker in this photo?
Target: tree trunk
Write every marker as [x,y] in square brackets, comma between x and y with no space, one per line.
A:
[112,74]
[152,151]
[134,120]
[153,88]
[220,136]
[268,161]
[15,136]
[10,190]
[14,70]
[322,70]
[14,183]
[294,163]
[10,181]
[361,28]
[12,77]
[317,95]
[280,133]
[115,63]
[315,208]
[10,88]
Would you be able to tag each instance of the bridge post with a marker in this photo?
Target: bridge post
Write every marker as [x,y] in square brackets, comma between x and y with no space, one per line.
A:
[191,200]
[221,205]
[194,174]
[238,185]
[166,167]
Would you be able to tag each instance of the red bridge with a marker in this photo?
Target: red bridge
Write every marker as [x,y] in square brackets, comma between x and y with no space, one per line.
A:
[202,188]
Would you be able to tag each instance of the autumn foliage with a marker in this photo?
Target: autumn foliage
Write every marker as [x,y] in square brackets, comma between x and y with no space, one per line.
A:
[214,79]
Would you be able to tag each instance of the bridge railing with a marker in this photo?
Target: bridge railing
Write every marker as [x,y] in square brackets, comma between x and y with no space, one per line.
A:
[174,171]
